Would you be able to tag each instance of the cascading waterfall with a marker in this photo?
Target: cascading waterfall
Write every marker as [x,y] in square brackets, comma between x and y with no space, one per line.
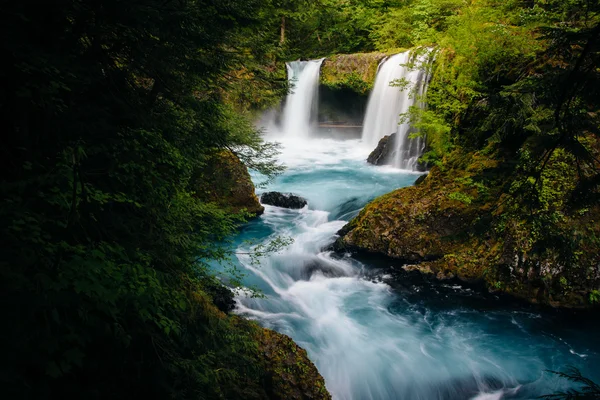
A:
[387,102]
[300,103]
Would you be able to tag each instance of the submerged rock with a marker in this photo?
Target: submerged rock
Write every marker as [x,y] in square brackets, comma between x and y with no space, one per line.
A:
[284,200]
[326,269]
[382,153]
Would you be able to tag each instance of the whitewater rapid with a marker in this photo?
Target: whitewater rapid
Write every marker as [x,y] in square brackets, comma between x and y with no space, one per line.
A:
[370,337]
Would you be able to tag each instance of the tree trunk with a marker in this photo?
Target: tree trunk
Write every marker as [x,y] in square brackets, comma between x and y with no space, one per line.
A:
[282,38]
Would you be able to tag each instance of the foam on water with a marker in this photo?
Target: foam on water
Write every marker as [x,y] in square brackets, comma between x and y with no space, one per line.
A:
[387,102]
[368,340]
[370,337]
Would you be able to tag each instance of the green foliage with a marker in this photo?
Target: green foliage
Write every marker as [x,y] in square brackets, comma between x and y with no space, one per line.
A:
[461,197]
[589,389]
[519,78]
[513,131]
[413,23]
[111,110]
[351,71]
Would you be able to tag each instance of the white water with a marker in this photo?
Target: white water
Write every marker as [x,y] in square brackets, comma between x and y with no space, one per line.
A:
[301,102]
[373,335]
[386,103]
[373,332]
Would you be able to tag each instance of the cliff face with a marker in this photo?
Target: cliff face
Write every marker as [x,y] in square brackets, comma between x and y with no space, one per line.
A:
[226,181]
[351,71]
[461,222]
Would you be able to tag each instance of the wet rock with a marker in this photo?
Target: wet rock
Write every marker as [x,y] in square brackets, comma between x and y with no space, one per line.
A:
[327,270]
[221,295]
[424,269]
[449,228]
[420,180]
[284,200]
[382,153]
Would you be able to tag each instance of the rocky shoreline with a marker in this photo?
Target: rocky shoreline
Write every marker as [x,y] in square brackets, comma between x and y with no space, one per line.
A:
[447,228]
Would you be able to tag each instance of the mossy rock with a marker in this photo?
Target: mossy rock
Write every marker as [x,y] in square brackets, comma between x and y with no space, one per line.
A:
[459,222]
[278,369]
[225,180]
[351,71]
[290,374]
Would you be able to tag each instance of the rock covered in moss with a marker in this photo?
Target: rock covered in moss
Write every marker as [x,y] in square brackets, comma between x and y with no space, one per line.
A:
[352,71]
[290,374]
[225,180]
[459,222]
[256,363]
[284,200]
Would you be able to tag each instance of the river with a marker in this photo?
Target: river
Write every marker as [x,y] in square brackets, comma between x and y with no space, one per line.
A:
[375,337]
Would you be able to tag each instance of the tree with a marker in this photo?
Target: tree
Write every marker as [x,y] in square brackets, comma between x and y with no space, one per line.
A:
[109,109]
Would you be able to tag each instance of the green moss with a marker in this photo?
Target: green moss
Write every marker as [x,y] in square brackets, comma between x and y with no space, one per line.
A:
[289,372]
[225,180]
[461,222]
[351,71]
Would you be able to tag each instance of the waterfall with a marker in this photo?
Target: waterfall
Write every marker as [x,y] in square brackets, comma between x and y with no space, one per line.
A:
[386,103]
[301,103]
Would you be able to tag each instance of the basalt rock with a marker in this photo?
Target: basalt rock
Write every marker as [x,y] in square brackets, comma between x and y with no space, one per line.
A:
[420,179]
[355,72]
[382,153]
[222,297]
[280,368]
[284,200]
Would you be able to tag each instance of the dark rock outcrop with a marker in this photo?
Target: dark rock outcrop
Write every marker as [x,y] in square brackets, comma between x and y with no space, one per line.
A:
[420,180]
[280,368]
[221,295]
[284,200]
[382,153]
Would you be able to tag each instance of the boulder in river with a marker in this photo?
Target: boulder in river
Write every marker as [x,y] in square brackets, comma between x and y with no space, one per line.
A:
[284,200]
[382,153]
